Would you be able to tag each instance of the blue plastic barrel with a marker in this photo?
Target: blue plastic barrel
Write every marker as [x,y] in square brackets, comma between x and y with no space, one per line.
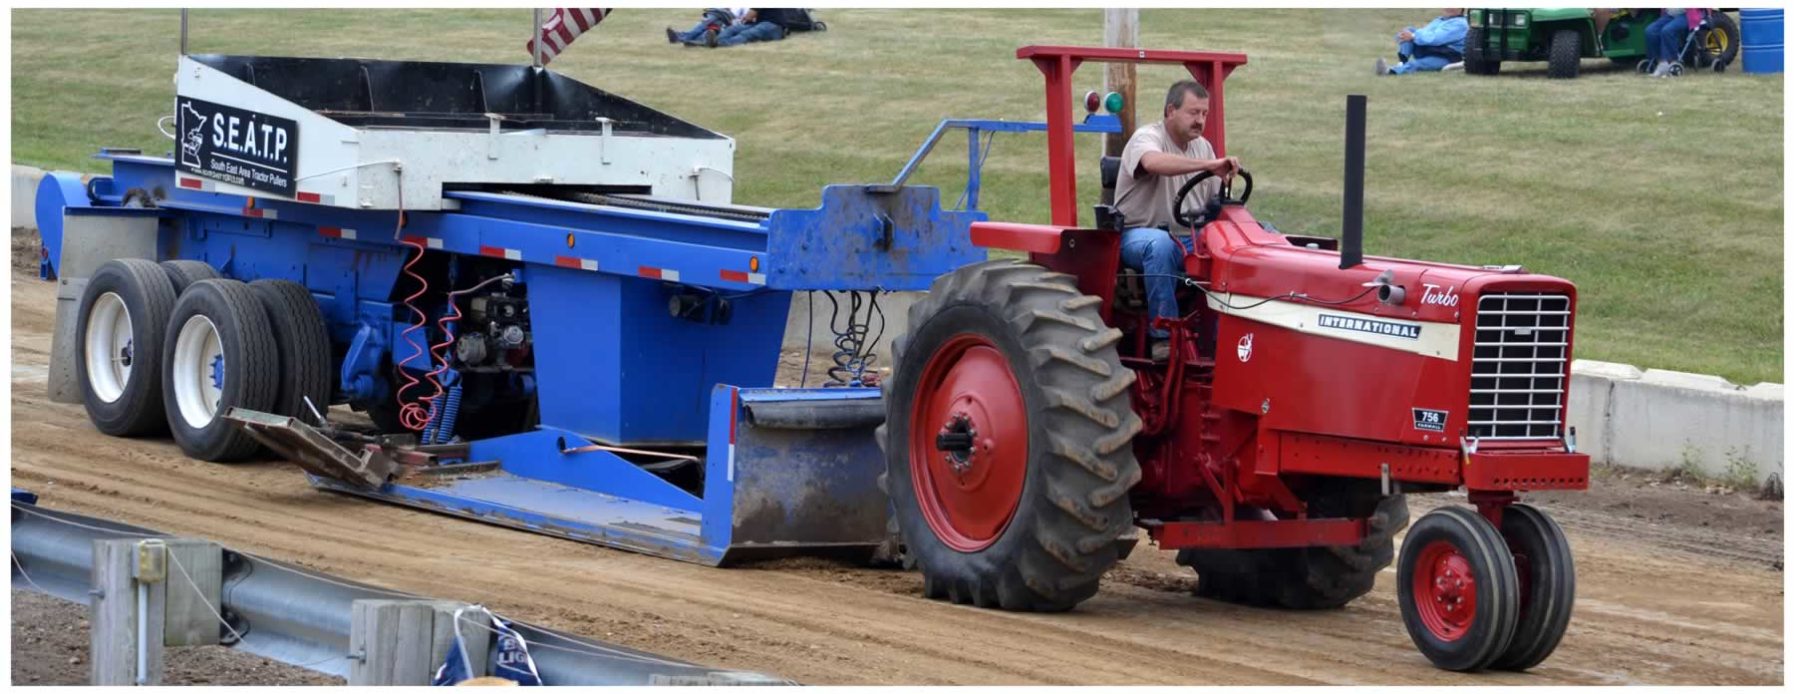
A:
[1762,39]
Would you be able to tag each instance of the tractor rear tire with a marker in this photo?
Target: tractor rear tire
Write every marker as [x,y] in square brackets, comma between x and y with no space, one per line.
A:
[183,273]
[123,316]
[1565,54]
[1457,588]
[1028,507]
[304,344]
[1476,62]
[219,353]
[1303,578]
[1548,575]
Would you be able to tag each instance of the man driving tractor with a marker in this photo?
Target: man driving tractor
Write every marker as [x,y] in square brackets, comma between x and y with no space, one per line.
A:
[1159,159]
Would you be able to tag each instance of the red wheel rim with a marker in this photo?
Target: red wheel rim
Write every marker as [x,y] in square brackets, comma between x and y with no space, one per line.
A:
[1444,590]
[968,443]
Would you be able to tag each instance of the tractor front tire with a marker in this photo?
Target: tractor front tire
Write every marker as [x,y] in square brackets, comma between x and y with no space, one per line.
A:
[1008,440]
[1548,577]
[1458,590]
[1304,578]
[1565,54]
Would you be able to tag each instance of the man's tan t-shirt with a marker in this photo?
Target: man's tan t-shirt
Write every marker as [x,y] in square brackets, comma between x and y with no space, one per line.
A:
[1146,199]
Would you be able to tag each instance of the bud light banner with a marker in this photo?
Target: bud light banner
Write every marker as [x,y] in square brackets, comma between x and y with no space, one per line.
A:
[239,147]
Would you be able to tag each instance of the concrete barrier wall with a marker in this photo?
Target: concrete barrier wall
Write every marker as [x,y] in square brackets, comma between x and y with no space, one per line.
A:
[1651,419]
[1659,420]
[24,195]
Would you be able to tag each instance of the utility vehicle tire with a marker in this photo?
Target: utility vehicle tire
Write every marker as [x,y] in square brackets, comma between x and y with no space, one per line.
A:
[124,313]
[1547,581]
[1304,578]
[1476,62]
[219,353]
[1724,36]
[304,345]
[1458,590]
[1008,440]
[1565,54]
[183,273]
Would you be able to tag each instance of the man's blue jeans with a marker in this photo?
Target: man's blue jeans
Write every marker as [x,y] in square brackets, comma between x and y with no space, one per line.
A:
[745,33]
[696,33]
[1664,37]
[1405,50]
[1155,254]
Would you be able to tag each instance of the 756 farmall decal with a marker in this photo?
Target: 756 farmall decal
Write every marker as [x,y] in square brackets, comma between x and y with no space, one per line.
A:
[244,148]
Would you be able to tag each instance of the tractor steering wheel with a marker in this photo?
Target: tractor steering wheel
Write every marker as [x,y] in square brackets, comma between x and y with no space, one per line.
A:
[1226,196]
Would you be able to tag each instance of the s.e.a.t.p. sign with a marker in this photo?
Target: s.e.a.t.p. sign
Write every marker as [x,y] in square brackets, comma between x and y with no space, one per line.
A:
[244,148]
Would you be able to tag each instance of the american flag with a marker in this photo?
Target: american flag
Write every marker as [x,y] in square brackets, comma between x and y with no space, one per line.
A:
[562,27]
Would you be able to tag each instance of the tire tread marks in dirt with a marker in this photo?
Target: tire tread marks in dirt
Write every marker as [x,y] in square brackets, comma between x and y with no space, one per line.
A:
[1074,518]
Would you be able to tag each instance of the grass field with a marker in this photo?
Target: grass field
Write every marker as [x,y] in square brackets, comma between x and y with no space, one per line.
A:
[1661,199]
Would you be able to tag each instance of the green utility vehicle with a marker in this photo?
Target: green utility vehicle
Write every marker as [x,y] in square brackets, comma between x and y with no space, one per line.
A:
[1563,36]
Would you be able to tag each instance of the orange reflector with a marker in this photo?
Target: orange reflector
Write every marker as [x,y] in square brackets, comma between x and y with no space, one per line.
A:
[754,264]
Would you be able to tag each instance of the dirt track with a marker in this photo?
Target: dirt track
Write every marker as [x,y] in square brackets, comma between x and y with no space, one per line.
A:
[1661,599]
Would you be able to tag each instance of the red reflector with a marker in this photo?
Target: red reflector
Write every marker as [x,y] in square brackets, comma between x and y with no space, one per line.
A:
[734,275]
[193,183]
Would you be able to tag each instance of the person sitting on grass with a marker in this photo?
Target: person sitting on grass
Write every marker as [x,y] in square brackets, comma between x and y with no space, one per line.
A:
[1434,47]
[758,24]
[715,20]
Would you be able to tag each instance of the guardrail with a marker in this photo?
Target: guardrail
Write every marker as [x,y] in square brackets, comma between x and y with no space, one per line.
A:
[302,617]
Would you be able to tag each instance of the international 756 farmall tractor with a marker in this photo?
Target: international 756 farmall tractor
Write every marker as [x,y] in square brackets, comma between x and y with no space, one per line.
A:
[1028,431]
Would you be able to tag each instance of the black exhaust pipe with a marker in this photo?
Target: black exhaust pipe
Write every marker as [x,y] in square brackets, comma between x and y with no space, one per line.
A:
[1351,242]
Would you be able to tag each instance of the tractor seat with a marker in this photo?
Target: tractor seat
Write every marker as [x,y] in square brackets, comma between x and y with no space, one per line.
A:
[1111,172]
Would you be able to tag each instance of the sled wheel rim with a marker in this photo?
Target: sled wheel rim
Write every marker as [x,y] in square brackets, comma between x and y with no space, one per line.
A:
[108,350]
[968,443]
[198,371]
[1445,590]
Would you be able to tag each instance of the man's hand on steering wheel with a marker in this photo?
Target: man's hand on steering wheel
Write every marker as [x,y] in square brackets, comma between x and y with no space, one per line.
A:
[1226,167]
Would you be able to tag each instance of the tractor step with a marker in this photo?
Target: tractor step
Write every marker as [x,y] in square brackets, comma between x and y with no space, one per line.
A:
[313,450]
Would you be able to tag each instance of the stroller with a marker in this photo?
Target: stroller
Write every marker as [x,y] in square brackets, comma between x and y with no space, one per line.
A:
[1713,44]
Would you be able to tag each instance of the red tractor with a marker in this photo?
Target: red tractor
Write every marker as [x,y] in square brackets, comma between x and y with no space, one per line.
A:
[1028,432]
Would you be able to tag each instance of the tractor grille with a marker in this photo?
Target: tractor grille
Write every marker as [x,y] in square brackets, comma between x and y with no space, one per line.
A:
[1518,371]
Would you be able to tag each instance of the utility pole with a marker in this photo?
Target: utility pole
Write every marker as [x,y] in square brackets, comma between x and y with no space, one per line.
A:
[1121,29]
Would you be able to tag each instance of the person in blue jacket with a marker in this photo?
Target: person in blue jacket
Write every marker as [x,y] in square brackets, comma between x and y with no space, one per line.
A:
[1430,48]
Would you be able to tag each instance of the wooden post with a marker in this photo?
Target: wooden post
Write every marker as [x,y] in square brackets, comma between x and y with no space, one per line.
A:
[194,592]
[119,617]
[1121,29]
[402,642]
